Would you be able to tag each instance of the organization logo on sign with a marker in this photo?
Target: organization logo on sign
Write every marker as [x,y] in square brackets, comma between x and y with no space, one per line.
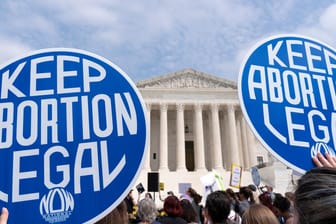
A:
[61,213]
[287,93]
[73,136]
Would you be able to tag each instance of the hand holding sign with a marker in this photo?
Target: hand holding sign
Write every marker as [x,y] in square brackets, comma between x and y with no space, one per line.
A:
[324,161]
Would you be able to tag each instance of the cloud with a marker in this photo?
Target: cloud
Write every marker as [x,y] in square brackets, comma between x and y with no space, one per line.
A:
[10,49]
[157,37]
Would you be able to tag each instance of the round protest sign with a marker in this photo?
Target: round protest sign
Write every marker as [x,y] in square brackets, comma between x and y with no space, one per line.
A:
[287,93]
[73,136]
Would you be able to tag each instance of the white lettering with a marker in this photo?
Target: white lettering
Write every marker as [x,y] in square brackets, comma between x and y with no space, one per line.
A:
[294,127]
[130,118]
[21,119]
[6,125]
[7,83]
[61,74]
[272,54]
[88,77]
[18,175]
[322,128]
[49,120]
[253,84]
[64,169]
[92,170]
[292,54]
[97,114]
[35,76]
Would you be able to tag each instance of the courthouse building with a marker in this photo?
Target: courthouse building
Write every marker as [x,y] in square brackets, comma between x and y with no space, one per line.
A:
[196,126]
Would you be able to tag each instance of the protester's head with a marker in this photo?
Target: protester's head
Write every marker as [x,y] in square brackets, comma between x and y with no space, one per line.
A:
[259,214]
[117,215]
[266,199]
[315,197]
[217,206]
[282,204]
[194,195]
[189,213]
[148,195]
[147,210]
[172,206]
[245,193]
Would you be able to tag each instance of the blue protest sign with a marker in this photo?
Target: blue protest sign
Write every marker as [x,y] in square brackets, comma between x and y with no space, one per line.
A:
[73,136]
[255,176]
[287,93]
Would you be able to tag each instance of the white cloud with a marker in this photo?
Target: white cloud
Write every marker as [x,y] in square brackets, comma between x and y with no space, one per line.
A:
[11,49]
[147,38]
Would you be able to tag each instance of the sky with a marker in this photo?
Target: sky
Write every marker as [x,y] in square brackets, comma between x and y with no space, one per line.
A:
[155,37]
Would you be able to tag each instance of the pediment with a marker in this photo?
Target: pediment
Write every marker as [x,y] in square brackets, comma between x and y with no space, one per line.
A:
[187,78]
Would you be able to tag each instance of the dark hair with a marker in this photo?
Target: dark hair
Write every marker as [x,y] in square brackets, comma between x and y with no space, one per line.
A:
[247,193]
[315,196]
[218,206]
[172,206]
[194,195]
[281,203]
[189,214]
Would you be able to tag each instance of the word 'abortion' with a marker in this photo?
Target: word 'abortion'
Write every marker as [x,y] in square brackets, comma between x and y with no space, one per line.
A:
[76,115]
[299,77]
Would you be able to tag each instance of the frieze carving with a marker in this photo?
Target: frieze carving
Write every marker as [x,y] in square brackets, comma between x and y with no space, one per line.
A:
[188,79]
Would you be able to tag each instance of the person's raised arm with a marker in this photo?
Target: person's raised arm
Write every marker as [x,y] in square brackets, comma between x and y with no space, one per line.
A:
[324,161]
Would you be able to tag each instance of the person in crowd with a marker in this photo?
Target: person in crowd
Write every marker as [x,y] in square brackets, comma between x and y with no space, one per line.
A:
[196,200]
[217,208]
[130,204]
[290,196]
[315,196]
[147,195]
[283,209]
[4,216]
[259,214]
[254,192]
[117,215]
[147,211]
[234,199]
[173,209]
[189,214]
[245,199]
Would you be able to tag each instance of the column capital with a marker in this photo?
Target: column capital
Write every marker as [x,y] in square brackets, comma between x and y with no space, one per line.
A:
[198,106]
[215,106]
[163,106]
[149,106]
[180,106]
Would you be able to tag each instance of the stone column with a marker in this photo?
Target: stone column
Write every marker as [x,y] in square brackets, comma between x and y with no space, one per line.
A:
[163,137]
[148,157]
[251,146]
[199,138]
[180,149]
[217,147]
[233,135]
[244,143]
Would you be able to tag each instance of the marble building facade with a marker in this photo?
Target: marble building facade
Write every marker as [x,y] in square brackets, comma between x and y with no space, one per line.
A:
[196,125]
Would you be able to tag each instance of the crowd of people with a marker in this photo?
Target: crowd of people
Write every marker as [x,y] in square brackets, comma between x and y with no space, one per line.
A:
[313,202]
